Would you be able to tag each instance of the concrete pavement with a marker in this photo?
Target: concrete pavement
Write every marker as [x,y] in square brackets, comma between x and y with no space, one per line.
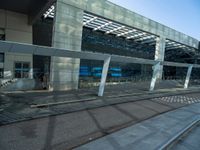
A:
[15,107]
[69,130]
[150,134]
[69,125]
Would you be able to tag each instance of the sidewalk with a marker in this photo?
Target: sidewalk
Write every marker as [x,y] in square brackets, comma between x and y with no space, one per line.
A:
[17,106]
[70,125]
[69,130]
[149,134]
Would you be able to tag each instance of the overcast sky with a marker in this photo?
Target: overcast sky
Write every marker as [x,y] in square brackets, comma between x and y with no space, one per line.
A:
[182,15]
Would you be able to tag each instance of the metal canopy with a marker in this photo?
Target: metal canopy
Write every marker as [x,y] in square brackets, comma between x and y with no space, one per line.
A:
[117,29]
[177,52]
[170,45]
[97,23]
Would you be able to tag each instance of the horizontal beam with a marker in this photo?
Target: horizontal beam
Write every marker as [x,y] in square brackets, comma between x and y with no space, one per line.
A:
[48,51]
[175,64]
[14,47]
[125,59]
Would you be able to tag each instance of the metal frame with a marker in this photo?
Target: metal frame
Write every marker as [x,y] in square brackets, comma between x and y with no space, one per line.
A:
[6,46]
[188,76]
[104,76]
[170,45]
[156,70]
[117,29]
[97,23]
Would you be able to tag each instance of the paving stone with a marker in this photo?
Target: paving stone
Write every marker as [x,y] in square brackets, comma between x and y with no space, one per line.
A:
[149,134]
[109,116]
[161,123]
[170,104]
[127,135]
[40,133]
[154,106]
[181,115]
[149,142]
[19,102]
[195,108]
[138,111]
[62,131]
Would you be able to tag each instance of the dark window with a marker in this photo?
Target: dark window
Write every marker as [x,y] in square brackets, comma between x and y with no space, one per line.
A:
[2,34]
[1,72]
[22,69]
[2,37]
[1,57]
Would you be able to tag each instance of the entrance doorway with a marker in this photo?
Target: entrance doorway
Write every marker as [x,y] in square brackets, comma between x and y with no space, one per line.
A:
[41,71]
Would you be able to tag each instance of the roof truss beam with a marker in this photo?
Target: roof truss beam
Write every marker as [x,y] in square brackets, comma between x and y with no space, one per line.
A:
[125,33]
[88,21]
[116,29]
[102,26]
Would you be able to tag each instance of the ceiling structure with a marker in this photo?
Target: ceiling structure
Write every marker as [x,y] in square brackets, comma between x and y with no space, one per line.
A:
[119,30]
[97,23]
[24,6]
[33,8]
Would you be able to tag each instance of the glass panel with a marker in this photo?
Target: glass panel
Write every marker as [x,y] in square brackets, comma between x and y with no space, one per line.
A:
[18,70]
[25,65]
[25,74]
[22,69]
[17,74]
[18,65]
[26,69]
[2,37]
[1,57]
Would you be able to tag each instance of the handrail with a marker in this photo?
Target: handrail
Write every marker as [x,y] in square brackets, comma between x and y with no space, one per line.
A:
[179,134]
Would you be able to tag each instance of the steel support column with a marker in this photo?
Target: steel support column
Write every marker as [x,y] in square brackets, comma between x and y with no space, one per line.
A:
[104,76]
[187,80]
[160,54]
[156,71]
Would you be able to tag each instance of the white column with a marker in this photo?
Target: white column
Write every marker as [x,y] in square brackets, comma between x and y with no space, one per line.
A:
[160,54]
[104,76]
[187,80]
[156,71]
